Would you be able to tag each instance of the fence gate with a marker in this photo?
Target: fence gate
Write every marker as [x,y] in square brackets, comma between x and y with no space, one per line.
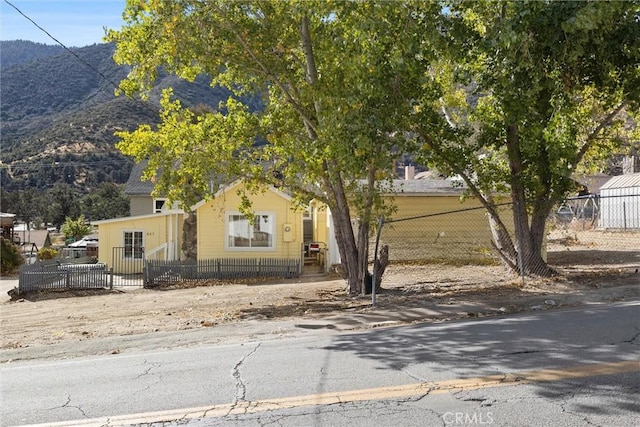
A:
[128,266]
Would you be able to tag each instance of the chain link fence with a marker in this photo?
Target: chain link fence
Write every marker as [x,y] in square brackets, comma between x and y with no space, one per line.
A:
[587,236]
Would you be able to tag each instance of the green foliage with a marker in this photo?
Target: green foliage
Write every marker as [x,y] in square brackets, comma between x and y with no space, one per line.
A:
[331,110]
[22,51]
[55,204]
[10,257]
[64,204]
[75,229]
[59,117]
[107,201]
[553,84]
[47,253]
[558,71]
[336,78]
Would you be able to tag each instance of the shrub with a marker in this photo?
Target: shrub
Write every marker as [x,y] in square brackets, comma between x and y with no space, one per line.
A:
[10,257]
[75,229]
[47,253]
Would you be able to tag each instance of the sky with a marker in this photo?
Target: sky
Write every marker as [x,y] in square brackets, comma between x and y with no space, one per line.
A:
[75,23]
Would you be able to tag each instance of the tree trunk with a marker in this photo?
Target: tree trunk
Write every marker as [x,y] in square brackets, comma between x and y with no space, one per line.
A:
[345,237]
[532,262]
[353,253]
[333,183]
[503,243]
[537,265]
[190,237]
[528,238]
[363,232]
[380,265]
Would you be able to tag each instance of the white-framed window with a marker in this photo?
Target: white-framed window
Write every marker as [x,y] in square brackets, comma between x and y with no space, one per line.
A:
[243,235]
[133,244]
[159,205]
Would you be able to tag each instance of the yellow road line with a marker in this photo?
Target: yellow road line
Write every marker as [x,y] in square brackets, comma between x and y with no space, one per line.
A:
[393,392]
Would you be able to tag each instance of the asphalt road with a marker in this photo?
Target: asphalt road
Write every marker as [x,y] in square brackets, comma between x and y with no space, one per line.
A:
[564,367]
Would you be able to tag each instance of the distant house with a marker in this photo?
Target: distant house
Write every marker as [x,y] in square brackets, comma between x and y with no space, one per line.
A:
[7,226]
[31,241]
[35,240]
[592,183]
[86,241]
[85,247]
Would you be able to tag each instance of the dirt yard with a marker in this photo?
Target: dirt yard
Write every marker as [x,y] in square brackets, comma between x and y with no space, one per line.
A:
[590,262]
[43,319]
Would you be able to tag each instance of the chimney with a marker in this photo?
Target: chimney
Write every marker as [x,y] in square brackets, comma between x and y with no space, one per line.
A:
[630,165]
[409,172]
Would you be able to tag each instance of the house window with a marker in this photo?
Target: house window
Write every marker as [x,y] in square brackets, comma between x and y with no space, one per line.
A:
[133,244]
[158,205]
[242,234]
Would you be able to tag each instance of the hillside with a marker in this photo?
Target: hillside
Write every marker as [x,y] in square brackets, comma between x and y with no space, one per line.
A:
[22,51]
[58,115]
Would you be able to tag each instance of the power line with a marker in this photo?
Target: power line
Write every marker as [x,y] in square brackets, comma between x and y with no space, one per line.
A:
[80,59]
[62,44]
[39,27]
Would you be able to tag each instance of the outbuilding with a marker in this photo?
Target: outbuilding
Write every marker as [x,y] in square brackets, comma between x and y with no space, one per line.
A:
[620,203]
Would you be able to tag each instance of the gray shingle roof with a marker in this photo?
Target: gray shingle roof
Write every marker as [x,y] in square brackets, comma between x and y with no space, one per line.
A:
[135,185]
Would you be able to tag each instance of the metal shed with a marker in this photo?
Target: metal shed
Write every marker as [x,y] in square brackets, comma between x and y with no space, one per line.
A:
[620,202]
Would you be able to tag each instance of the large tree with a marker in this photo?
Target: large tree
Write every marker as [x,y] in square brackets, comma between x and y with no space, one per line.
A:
[531,88]
[63,202]
[107,201]
[337,79]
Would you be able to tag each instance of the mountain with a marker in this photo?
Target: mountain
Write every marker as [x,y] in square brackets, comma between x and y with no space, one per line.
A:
[58,114]
[22,51]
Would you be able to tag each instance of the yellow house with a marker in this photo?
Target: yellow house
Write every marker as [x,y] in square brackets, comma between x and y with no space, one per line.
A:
[432,222]
[223,231]
[124,243]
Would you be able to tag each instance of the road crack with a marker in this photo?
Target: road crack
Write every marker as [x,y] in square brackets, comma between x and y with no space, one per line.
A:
[68,404]
[412,376]
[241,388]
[563,407]
[630,340]
[148,369]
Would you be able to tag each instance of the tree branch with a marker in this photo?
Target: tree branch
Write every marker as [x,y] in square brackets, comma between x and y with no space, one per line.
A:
[312,69]
[591,138]
[290,99]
